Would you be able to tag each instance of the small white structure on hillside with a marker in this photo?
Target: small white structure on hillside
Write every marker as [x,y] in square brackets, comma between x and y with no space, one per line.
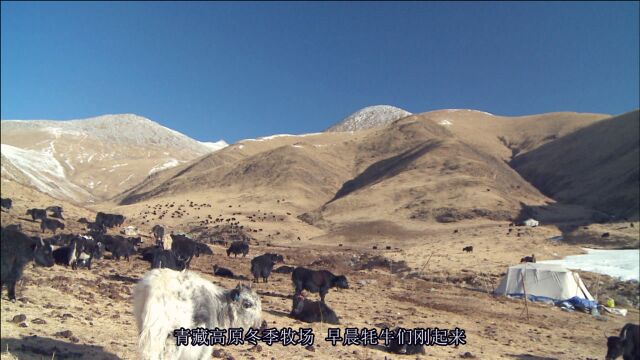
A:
[531,222]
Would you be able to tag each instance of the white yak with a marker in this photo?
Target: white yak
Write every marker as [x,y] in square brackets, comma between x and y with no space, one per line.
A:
[166,300]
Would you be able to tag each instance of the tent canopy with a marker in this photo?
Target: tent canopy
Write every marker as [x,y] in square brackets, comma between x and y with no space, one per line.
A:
[542,280]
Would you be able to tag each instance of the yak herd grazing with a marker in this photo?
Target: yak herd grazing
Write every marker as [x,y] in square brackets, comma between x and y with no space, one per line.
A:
[532,258]
[163,290]
[169,296]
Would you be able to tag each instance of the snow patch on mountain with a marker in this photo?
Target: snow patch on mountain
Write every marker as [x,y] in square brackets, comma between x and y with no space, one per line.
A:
[42,170]
[125,180]
[215,146]
[32,160]
[271,137]
[126,129]
[58,131]
[471,110]
[370,117]
[66,161]
[165,165]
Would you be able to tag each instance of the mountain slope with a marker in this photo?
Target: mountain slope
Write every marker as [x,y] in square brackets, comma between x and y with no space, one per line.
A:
[92,159]
[597,166]
[370,117]
[39,169]
[417,170]
[311,166]
[440,166]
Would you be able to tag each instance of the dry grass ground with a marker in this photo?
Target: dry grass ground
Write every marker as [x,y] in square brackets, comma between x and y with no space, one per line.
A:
[95,307]
[450,291]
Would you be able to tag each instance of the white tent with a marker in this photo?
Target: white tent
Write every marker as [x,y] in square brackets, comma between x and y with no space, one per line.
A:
[545,280]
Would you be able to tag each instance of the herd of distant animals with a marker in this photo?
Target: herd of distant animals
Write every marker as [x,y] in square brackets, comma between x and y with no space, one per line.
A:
[172,253]
[162,290]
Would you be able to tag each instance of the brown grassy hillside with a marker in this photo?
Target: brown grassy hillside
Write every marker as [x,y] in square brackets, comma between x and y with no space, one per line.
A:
[441,166]
[597,166]
[90,160]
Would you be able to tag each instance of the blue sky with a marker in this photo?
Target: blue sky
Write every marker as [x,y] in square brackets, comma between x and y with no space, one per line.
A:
[240,70]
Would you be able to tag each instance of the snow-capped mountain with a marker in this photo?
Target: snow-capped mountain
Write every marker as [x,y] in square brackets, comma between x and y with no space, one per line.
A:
[95,158]
[370,117]
[215,146]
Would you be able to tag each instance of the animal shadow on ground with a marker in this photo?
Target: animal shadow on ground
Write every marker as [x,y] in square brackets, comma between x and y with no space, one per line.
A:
[530,357]
[273,294]
[126,279]
[240,277]
[277,313]
[378,347]
[36,347]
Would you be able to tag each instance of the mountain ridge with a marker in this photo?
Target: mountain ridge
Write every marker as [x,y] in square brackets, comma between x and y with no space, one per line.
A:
[439,166]
[415,165]
[369,117]
[89,158]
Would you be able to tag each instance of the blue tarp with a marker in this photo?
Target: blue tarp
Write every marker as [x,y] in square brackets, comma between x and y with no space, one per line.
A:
[582,304]
[544,299]
[576,302]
